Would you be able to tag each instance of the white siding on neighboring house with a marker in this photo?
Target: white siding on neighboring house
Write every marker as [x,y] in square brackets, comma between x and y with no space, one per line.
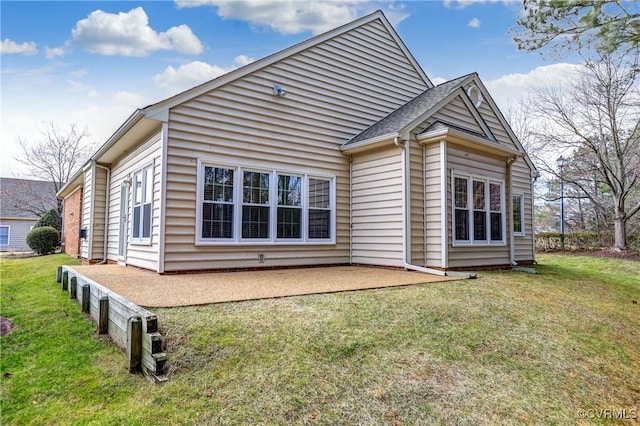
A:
[477,164]
[334,90]
[87,216]
[377,210]
[142,254]
[18,229]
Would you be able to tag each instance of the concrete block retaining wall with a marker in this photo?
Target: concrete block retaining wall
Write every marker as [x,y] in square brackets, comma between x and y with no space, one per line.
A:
[131,327]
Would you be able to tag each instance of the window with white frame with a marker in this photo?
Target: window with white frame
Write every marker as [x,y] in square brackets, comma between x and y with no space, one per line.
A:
[319,208]
[217,203]
[518,215]
[240,204]
[289,220]
[478,205]
[4,235]
[142,199]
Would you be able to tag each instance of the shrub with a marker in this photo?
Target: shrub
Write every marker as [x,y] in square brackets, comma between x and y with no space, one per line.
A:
[51,218]
[43,240]
[574,241]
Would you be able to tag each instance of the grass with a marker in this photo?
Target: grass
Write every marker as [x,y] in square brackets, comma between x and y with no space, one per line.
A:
[507,348]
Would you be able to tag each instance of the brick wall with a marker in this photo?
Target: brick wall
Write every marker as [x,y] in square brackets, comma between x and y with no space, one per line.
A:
[72,222]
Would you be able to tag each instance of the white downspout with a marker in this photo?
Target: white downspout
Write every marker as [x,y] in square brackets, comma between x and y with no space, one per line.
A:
[351,208]
[405,213]
[106,212]
[512,249]
[536,175]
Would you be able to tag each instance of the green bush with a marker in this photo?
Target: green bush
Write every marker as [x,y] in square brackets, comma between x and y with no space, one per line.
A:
[574,241]
[51,218]
[44,240]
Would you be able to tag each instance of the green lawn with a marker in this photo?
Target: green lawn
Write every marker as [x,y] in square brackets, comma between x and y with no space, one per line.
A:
[507,348]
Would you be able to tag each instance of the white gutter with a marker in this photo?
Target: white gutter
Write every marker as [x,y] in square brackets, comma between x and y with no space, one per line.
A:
[106,213]
[405,212]
[512,250]
[368,143]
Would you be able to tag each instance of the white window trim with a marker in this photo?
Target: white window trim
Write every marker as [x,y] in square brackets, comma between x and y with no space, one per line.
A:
[471,241]
[238,169]
[8,234]
[141,241]
[522,217]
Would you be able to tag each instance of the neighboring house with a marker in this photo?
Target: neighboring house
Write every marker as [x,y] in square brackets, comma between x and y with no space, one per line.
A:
[22,203]
[337,150]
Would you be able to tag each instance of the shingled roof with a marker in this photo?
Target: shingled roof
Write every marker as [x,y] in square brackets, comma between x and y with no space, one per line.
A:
[409,112]
[25,198]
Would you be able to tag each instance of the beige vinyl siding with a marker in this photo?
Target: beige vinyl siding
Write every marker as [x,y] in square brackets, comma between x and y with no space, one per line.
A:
[86,212]
[143,254]
[99,209]
[457,113]
[495,126]
[522,185]
[433,211]
[522,176]
[334,90]
[417,205]
[377,212]
[478,164]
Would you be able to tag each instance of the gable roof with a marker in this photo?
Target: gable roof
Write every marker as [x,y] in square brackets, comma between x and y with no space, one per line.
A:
[158,108]
[145,120]
[409,116]
[401,118]
[25,198]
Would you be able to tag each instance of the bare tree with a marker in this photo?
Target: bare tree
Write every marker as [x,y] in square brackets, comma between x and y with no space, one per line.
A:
[57,155]
[596,123]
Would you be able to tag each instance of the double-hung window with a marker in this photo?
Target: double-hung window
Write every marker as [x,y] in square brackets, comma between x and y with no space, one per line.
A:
[289,220]
[142,204]
[255,205]
[478,205]
[319,209]
[518,212]
[239,204]
[217,203]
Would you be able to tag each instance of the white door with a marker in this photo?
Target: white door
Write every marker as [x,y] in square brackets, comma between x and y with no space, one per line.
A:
[123,228]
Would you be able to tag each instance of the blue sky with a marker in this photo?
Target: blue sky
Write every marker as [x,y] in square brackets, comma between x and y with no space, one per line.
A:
[92,63]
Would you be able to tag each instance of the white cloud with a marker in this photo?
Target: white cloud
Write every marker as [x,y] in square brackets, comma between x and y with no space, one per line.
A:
[9,46]
[189,75]
[129,34]
[515,87]
[474,23]
[461,4]
[54,52]
[438,80]
[293,17]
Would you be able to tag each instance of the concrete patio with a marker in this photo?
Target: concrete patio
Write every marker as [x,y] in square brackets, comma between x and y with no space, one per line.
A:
[149,289]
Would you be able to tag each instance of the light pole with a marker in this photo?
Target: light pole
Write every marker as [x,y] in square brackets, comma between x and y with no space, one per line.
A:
[561,163]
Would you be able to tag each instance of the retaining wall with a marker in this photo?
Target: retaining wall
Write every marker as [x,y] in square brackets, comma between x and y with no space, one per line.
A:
[131,327]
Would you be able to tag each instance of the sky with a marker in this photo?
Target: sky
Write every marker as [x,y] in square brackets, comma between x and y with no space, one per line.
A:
[92,63]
